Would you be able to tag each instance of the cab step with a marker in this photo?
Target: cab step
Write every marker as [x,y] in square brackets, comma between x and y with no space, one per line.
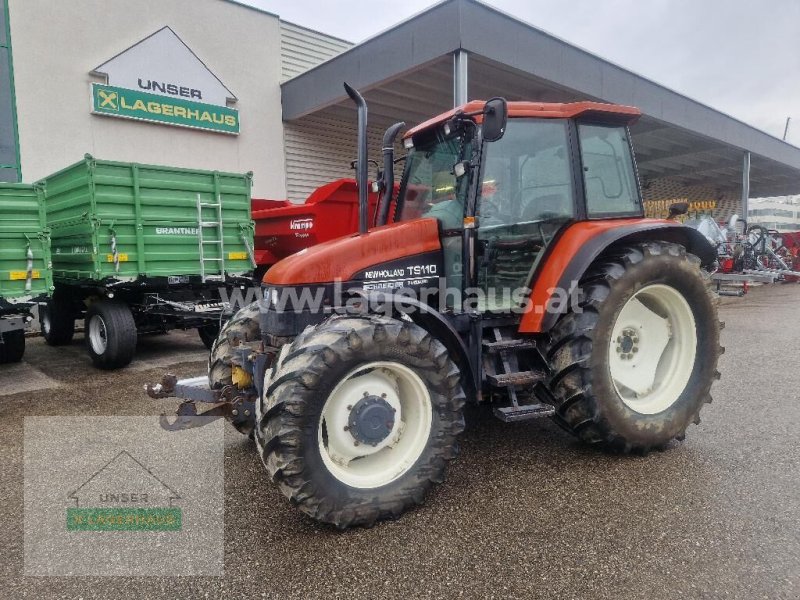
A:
[508,345]
[518,379]
[523,412]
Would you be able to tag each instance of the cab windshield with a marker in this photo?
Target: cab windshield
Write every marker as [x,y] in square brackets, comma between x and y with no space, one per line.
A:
[430,187]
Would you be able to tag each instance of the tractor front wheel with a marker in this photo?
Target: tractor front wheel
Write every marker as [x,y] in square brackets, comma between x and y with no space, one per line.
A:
[633,364]
[360,418]
[243,326]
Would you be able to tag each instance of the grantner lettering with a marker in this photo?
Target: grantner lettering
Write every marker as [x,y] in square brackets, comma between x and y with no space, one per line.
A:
[176,230]
[170,88]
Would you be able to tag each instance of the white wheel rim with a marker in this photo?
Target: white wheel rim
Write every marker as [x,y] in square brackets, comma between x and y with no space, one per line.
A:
[653,349]
[362,465]
[45,319]
[97,334]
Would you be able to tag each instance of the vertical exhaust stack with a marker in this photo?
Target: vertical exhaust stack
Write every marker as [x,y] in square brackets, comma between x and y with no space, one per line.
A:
[362,164]
[388,172]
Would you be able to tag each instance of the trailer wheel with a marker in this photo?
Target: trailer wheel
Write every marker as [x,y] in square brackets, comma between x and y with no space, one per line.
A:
[12,346]
[57,321]
[110,334]
[634,366]
[360,419]
[244,326]
[208,334]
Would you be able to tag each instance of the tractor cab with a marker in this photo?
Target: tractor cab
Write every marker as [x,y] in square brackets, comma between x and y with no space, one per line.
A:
[509,197]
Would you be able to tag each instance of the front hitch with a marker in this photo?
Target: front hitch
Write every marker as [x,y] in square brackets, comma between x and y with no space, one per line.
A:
[237,406]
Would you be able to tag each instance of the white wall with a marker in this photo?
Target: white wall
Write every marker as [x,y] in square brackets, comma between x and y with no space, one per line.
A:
[57,43]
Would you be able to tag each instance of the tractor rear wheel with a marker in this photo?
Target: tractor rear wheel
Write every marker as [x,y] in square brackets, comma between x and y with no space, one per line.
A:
[360,418]
[244,326]
[12,346]
[634,363]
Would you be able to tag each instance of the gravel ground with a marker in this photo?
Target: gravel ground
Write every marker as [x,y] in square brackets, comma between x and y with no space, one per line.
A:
[526,511]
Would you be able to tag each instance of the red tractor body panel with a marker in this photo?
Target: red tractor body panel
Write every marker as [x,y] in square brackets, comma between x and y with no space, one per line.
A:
[341,258]
[542,110]
[578,246]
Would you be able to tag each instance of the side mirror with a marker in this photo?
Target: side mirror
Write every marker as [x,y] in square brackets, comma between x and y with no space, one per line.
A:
[495,118]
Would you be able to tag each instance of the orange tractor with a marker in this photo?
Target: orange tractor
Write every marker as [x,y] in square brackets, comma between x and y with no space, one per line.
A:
[518,270]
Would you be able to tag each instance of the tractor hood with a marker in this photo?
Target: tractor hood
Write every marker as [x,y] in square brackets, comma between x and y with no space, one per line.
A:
[376,256]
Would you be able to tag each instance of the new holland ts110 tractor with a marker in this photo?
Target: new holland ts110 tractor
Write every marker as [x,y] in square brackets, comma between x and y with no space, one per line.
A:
[518,271]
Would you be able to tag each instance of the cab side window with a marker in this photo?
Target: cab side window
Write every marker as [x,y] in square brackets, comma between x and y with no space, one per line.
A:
[608,171]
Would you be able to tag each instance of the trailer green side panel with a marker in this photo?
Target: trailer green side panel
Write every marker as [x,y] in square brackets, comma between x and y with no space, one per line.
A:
[25,269]
[126,221]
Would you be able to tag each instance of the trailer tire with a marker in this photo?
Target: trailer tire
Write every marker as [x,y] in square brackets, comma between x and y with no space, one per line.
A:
[641,305]
[12,346]
[244,326]
[311,386]
[57,321]
[208,334]
[110,334]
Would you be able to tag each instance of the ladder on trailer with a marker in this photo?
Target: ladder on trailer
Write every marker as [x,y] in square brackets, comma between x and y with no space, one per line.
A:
[202,242]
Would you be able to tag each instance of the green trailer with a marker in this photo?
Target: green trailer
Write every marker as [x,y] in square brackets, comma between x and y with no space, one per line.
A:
[25,268]
[143,249]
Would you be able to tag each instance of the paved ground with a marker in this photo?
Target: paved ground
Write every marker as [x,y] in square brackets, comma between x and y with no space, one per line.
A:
[526,512]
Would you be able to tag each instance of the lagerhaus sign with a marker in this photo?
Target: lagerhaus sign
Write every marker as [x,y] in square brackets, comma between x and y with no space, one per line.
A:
[160,80]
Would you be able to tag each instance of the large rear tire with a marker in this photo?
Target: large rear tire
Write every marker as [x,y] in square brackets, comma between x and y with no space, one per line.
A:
[634,365]
[12,346]
[360,418]
[244,326]
[57,321]
[110,334]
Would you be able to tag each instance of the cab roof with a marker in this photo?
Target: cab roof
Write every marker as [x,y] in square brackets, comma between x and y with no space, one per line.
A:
[615,113]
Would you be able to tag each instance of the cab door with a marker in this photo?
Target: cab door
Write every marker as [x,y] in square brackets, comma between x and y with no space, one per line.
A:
[526,194]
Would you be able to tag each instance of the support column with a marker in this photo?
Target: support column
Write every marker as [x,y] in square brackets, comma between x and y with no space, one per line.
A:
[745,185]
[460,77]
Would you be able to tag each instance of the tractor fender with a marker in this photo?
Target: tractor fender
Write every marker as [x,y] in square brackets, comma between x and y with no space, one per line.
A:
[579,245]
[434,323]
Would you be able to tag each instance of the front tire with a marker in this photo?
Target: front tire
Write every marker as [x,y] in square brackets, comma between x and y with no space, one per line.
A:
[360,418]
[634,366]
[245,327]
[12,346]
[110,334]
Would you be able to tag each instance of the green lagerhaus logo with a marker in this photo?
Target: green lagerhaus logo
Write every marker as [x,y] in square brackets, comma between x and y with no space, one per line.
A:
[133,104]
[124,495]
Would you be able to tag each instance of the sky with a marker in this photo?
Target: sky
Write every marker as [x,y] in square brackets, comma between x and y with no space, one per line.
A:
[738,56]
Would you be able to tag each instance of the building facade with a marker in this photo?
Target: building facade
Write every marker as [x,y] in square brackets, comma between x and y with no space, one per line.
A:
[186,83]
[216,84]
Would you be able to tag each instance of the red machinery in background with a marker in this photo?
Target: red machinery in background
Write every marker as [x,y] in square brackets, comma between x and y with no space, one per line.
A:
[283,227]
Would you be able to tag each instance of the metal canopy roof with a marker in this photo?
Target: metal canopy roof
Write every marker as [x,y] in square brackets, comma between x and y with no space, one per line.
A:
[407,73]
